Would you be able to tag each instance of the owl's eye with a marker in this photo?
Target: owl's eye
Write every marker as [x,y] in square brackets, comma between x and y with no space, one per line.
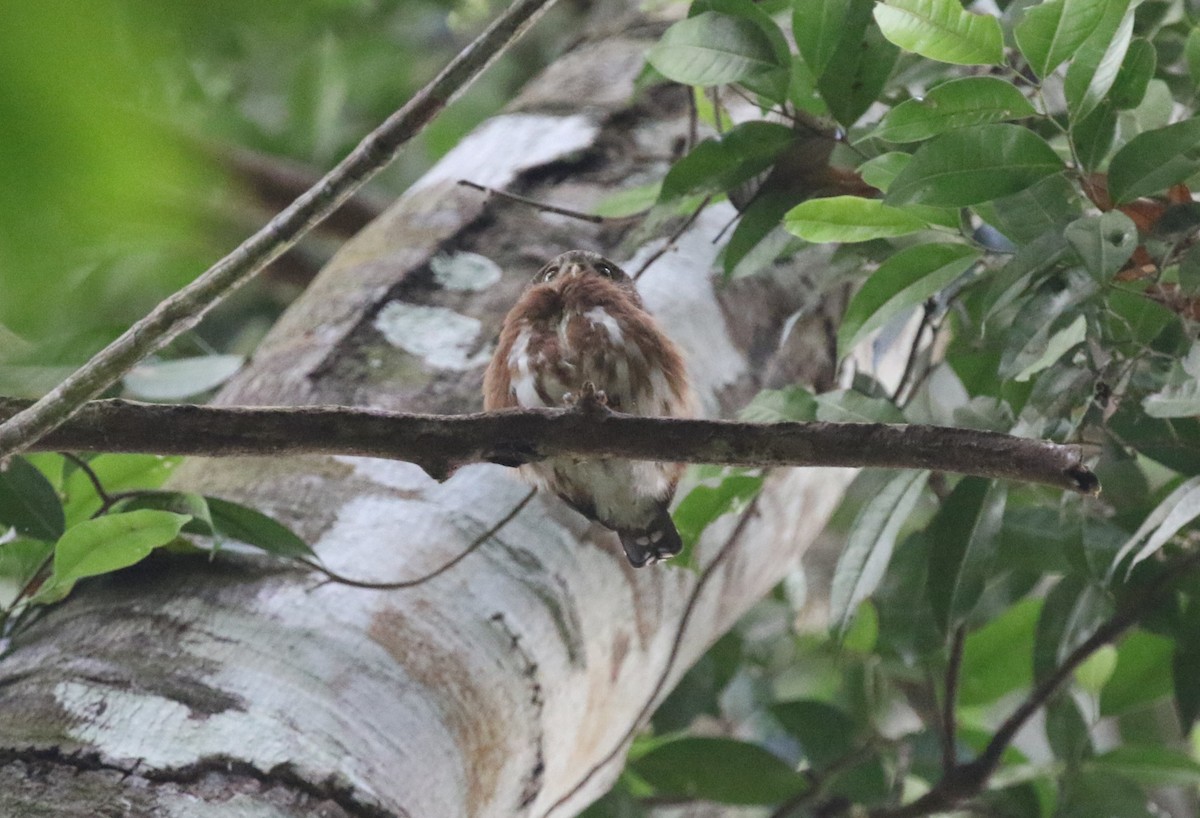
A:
[605,270]
[550,273]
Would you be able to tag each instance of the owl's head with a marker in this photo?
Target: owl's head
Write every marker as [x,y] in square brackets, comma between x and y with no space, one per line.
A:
[582,265]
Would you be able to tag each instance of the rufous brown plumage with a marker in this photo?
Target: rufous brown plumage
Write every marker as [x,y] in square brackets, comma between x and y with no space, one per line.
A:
[579,325]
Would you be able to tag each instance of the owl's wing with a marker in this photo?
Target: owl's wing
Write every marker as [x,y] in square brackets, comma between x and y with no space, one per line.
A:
[497,379]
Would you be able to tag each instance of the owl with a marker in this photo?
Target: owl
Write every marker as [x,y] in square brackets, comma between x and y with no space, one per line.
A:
[581,321]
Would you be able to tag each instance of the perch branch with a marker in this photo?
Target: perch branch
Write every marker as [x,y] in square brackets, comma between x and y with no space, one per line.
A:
[442,443]
[184,309]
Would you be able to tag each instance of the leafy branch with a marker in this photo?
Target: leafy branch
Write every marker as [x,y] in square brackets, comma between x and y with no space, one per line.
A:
[962,782]
[185,308]
[439,444]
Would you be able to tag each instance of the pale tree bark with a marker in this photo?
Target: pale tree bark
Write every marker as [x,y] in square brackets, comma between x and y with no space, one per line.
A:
[512,683]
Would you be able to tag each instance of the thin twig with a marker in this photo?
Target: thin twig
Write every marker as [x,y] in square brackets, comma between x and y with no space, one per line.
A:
[676,645]
[92,477]
[185,308]
[670,242]
[693,131]
[950,701]
[525,200]
[914,351]
[339,579]
[442,443]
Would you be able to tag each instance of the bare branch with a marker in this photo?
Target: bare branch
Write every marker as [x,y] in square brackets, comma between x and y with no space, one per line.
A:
[442,443]
[184,309]
[534,203]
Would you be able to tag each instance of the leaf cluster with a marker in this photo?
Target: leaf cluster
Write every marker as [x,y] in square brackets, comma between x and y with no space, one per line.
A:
[66,519]
[1014,188]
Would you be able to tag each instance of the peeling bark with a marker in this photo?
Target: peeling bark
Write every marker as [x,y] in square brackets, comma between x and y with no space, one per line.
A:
[510,685]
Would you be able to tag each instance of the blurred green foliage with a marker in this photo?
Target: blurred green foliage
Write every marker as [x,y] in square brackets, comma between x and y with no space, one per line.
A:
[118,120]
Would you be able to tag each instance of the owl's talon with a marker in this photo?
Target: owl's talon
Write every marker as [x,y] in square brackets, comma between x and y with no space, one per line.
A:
[589,399]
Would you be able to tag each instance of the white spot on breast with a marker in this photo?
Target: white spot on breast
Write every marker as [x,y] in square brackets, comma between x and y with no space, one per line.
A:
[520,367]
[600,317]
[564,328]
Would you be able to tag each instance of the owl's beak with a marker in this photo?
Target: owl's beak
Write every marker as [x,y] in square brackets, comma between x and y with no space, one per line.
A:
[573,269]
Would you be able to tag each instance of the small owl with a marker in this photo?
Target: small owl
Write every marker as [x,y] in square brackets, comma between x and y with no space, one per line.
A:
[581,320]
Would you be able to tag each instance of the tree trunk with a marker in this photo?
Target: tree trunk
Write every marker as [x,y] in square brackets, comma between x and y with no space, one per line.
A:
[512,683]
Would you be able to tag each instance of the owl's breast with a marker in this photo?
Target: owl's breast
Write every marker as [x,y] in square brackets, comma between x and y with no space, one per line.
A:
[556,355]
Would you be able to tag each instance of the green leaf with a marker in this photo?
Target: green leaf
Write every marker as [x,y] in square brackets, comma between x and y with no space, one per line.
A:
[1051,32]
[1151,766]
[955,104]
[862,633]
[1073,610]
[901,283]
[1137,70]
[28,502]
[181,378]
[1104,242]
[1191,51]
[1189,271]
[719,769]
[749,10]
[244,524]
[1185,666]
[997,657]
[112,542]
[941,30]
[974,165]
[1092,794]
[818,26]
[1174,442]
[860,66]
[760,220]
[1066,730]
[117,473]
[869,546]
[704,504]
[849,219]
[1142,676]
[179,502]
[1093,136]
[1179,508]
[1154,160]
[698,692]
[1095,671]
[1036,213]
[963,534]
[1058,343]
[771,84]
[1031,260]
[774,405]
[1047,313]
[1180,396]
[826,733]
[628,202]
[880,171]
[713,49]
[20,559]
[717,166]
[851,406]
[1094,67]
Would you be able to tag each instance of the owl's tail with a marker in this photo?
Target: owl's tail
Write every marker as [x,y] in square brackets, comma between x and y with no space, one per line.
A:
[654,543]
